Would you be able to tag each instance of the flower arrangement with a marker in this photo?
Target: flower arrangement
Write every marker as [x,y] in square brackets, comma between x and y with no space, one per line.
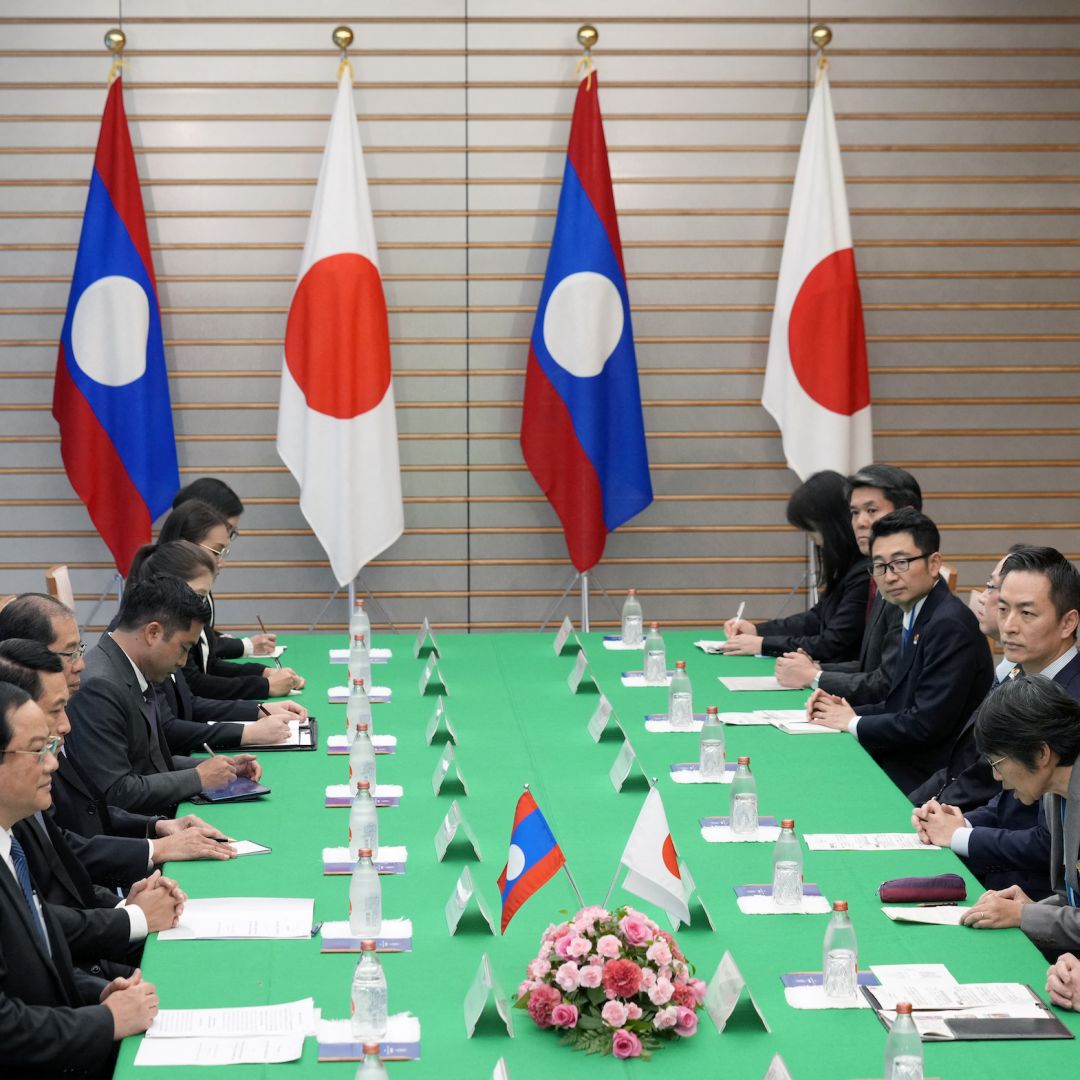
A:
[612,983]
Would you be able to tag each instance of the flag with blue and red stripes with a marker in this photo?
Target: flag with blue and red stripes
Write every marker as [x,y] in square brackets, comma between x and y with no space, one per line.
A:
[533,860]
[111,397]
[582,430]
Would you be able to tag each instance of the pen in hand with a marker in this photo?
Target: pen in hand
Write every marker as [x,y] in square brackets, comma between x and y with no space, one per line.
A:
[262,627]
[739,613]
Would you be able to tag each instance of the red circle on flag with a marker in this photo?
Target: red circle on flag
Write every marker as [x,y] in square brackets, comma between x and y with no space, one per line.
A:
[337,340]
[671,860]
[826,338]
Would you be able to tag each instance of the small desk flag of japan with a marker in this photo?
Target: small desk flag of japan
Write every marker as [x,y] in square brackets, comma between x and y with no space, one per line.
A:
[651,862]
[534,858]
[817,386]
[582,431]
[111,396]
[337,430]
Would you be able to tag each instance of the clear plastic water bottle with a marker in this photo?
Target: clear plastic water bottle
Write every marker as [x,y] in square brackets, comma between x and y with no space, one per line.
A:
[357,709]
[787,867]
[655,656]
[365,898]
[840,956]
[631,619]
[713,745]
[363,822]
[359,623]
[903,1047]
[360,659]
[361,759]
[368,996]
[744,800]
[681,699]
[372,1068]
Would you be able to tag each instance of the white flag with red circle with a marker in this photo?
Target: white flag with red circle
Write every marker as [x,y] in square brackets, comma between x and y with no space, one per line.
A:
[337,429]
[817,384]
[652,863]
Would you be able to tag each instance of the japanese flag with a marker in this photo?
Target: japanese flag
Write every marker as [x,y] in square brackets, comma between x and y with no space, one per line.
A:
[651,861]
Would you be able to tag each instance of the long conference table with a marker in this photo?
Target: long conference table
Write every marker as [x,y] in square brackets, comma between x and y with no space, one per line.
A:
[517,722]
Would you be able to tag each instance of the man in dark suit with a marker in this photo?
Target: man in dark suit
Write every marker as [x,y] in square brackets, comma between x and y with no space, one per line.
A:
[944,668]
[78,802]
[53,1019]
[1004,841]
[118,725]
[873,492]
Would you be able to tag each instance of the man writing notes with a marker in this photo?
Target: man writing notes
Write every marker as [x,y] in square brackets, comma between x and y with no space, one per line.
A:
[53,1019]
[118,724]
[944,668]
[873,492]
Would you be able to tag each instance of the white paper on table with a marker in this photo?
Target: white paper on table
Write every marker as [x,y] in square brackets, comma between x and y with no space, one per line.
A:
[937,1023]
[753,682]
[289,1018]
[713,648]
[377,656]
[248,847]
[766,905]
[243,917]
[893,974]
[693,776]
[866,842]
[377,695]
[803,727]
[664,727]
[637,679]
[942,915]
[794,716]
[278,651]
[935,997]
[400,1028]
[722,834]
[813,997]
[745,719]
[251,1050]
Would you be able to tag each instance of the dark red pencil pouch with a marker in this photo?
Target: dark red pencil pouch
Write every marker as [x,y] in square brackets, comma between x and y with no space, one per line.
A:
[908,890]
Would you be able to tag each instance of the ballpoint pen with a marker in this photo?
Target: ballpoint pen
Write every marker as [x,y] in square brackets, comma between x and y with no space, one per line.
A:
[262,627]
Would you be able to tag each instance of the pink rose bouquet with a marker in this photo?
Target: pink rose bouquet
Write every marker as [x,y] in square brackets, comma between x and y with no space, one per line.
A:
[612,983]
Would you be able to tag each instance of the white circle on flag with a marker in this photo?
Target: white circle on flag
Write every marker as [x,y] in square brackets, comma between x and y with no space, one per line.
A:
[583,323]
[515,862]
[109,330]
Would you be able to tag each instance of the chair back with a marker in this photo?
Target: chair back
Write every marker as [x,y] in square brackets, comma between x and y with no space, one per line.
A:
[58,585]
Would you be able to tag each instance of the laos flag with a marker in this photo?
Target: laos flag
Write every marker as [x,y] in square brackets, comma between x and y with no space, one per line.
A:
[533,860]
[582,431]
[111,397]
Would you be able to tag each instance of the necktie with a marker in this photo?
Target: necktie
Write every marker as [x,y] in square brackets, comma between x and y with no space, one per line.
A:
[871,596]
[151,709]
[905,638]
[22,873]
[1068,888]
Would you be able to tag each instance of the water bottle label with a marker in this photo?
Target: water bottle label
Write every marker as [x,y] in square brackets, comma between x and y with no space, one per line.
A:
[744,816]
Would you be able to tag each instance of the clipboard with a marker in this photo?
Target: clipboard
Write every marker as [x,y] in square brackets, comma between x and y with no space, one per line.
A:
[241,789]
[309,740]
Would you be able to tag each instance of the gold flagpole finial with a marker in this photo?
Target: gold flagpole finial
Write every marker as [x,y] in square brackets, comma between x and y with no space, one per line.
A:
[587,36]
[115,40]
[343,38]
[821,35]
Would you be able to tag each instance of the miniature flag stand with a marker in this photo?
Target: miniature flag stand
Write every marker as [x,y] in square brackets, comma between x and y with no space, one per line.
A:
[484,986]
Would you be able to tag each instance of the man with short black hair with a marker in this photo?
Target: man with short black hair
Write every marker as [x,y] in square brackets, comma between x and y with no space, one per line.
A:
[944,668]
[118,731]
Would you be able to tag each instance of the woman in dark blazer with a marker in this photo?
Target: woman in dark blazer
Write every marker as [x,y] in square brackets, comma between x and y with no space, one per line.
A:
[833,628]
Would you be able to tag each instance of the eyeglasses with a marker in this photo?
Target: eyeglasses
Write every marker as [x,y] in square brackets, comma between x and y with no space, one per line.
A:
[221,554]
[995,763]
[52,745]
[897,566]
[991,587]
[73,655]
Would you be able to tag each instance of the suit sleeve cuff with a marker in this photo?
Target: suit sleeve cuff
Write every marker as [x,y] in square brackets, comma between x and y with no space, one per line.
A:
[961,839]
[137,918]
[853,726]
[150,856]
[249,646]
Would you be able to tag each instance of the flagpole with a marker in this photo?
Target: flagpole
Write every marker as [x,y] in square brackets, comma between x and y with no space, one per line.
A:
[585,602]
[573,883]
[611,887]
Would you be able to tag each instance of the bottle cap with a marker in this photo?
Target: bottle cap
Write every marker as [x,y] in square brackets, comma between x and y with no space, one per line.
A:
[839,905]
[371,1048]
[363,785]
[358,637]
[654,626]
[787,823]
[361,726]
[358,681]
[744,761]
[712,710]
[903,1008]
[359,602]
[680,665]
[365,853]
[631,592]
[367,946]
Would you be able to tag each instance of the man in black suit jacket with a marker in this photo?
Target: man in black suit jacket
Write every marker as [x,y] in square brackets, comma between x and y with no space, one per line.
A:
[944,668]
[118,725]
[53,1019]
[873,492]
[1005,842]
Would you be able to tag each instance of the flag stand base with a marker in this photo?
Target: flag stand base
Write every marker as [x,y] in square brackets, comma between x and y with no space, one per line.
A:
[115,582]
[584,579]
[351,600]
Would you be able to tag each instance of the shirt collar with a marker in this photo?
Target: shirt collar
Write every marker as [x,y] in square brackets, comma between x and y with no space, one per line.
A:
[143,684]
[913,614]
[1061,662]
[5,844]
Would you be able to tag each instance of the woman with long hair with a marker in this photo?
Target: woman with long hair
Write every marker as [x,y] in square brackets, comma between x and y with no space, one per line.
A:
[833,628]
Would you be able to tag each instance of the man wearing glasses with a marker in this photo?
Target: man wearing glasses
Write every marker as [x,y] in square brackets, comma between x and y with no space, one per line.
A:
[53,1018]
[944,668]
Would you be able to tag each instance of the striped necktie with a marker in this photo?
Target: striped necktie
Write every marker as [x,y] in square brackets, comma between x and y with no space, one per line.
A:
[22,874]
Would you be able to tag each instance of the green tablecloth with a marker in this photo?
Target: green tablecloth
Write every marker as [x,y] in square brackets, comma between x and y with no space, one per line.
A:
[517,722]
